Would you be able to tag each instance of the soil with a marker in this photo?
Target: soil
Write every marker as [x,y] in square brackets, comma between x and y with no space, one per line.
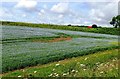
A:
[54,40]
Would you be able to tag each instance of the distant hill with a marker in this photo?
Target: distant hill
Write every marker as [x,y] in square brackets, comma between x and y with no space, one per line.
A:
[103,30]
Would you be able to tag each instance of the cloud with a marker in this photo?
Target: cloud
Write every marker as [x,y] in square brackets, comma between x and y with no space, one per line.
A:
[101,13]
[40,14]
[1,12]
[45,6]
[24,15]
[28,4]
[60,8]
[96,15]
[42,11]
[66,13]
[119,8]
[87,23]
[60,16]
[86,13]
[4,12]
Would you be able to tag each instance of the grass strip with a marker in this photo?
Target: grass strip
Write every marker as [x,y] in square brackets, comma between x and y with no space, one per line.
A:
[101,64]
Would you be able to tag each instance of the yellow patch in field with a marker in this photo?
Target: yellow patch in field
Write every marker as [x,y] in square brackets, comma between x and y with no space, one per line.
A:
[115,43]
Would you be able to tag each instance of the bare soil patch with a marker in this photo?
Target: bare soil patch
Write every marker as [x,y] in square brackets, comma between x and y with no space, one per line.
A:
[54,39]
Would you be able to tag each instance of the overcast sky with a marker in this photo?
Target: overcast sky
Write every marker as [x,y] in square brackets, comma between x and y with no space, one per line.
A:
[77,12]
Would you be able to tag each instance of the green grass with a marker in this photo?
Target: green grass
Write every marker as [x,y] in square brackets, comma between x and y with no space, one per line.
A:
[101,64]
[113,31]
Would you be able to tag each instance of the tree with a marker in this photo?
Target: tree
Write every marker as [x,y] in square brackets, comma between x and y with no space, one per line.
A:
[115,21]
[94,26]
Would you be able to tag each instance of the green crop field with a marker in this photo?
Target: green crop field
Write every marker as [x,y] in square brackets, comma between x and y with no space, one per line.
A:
[27,46]
[100,64]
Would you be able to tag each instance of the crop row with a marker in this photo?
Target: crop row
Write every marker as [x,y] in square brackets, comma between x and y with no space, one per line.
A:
[22,54]
[14,32]
[16,55]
